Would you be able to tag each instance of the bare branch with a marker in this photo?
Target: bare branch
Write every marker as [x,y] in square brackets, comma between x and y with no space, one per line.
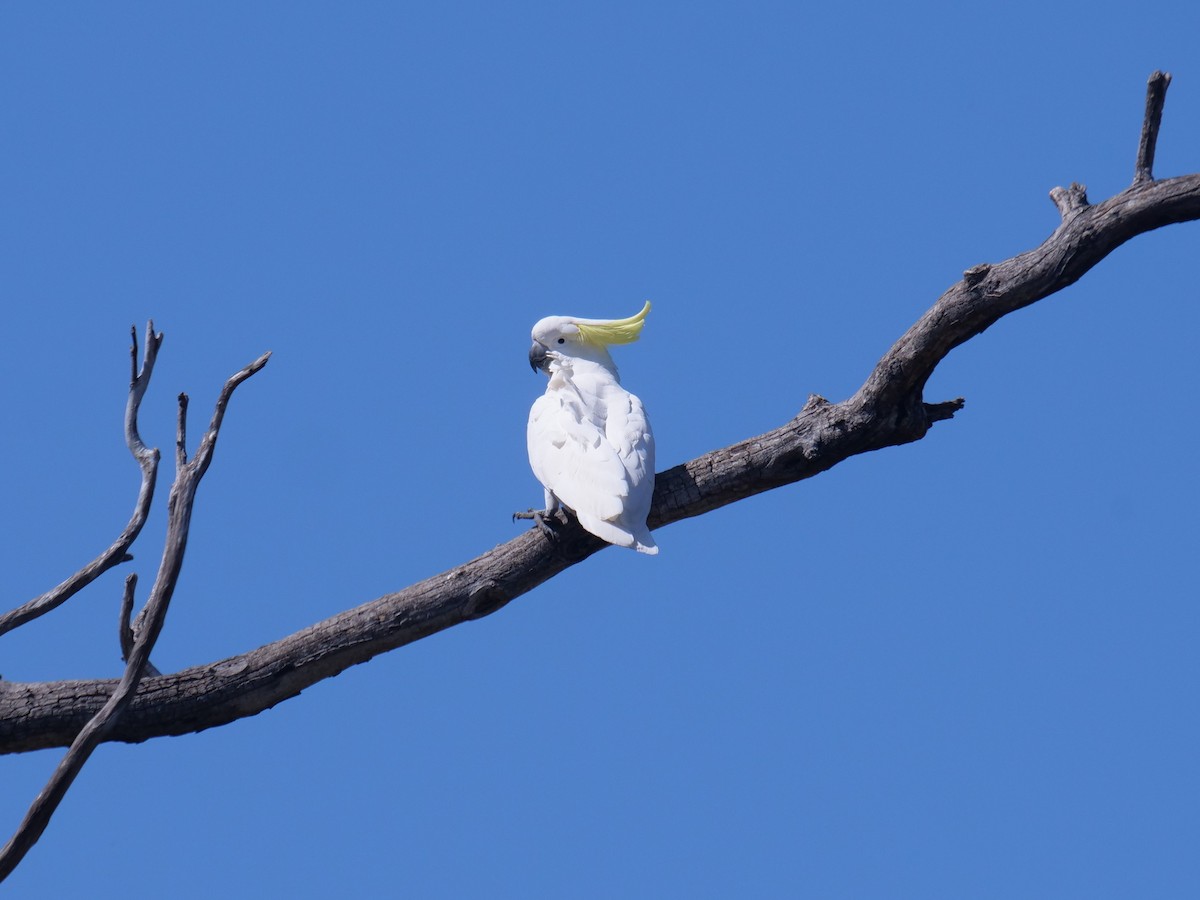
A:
[182,496]
[98,727]
[209,441]
[147,460]
[940,412]
[128,634]
[125,632]
[137,388]
[889,409]
[89,737]
[181,434]
[47,801]
[1156,95]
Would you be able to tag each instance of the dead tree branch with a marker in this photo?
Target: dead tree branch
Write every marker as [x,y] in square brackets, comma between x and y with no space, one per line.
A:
[100,725]
[1156,95]
[147,459]
[889,409]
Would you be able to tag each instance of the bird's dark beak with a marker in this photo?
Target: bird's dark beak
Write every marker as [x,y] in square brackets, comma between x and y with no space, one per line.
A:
[537,356]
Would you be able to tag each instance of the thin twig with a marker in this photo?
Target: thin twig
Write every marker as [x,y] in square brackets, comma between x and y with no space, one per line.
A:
[1156,95]
[128,633]
[125,632]
[181,434]
[147,460]
[183,493]
[208,442]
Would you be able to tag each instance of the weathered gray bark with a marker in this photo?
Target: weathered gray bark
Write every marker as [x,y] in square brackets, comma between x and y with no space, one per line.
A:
[889,409]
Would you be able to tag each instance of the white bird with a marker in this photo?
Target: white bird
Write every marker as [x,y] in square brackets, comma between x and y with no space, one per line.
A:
[590,443]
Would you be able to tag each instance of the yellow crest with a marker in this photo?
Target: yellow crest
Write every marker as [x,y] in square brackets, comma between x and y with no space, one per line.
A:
[612,331]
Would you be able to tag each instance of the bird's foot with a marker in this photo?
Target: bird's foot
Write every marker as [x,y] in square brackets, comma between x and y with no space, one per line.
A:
[540,519]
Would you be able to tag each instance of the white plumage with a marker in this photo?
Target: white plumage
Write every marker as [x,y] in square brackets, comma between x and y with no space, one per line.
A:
[590,443]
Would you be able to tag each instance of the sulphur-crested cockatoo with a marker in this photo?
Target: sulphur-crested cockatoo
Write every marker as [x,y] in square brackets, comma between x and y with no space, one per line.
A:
[589,440]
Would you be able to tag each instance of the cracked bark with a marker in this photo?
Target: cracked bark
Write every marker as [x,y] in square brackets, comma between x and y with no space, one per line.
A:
[889,409]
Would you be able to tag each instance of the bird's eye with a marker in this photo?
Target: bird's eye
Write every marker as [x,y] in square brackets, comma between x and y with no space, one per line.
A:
[562,340]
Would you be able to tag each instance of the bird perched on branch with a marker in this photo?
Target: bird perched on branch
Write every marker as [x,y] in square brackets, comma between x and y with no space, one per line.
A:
[590,443]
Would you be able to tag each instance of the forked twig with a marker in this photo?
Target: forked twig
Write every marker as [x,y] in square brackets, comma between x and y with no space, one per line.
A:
[138,642]
[147,459]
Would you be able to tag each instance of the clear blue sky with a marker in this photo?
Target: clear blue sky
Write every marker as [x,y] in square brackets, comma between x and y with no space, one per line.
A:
[962,668]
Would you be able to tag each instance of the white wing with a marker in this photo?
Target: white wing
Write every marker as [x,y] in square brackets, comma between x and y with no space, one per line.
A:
[590,445]
[628,431]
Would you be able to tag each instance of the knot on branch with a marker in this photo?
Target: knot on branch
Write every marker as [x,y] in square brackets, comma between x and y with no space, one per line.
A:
[1070,200]
[483,599]
[812,404]
[976,274]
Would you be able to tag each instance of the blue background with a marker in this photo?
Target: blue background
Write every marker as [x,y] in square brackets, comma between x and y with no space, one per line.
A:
[961,668]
